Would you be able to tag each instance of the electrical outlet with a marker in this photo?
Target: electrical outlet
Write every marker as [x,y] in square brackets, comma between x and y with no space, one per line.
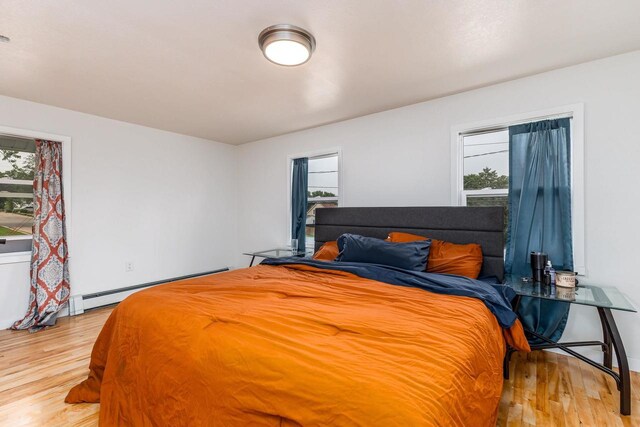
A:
[128,266]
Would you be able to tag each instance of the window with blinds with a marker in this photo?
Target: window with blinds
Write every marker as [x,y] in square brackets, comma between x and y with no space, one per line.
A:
[17,165]
[323,189]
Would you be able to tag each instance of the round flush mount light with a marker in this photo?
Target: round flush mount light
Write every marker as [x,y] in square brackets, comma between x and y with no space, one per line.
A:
[4,39]
[285,44]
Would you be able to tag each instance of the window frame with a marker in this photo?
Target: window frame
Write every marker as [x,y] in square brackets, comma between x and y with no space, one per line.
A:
[464,194]
[25,256]
[22,182]
[337,151]
[573,111]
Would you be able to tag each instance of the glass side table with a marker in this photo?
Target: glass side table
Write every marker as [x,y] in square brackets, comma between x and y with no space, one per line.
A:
[604,299]
[274,253]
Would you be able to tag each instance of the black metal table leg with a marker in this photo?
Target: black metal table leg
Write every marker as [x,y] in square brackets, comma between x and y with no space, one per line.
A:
[510,351]
[611,341]
[624,385]
[606,338]
[505,362]
[516,303]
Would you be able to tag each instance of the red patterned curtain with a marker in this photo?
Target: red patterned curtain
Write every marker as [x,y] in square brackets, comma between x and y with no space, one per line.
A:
[49,256]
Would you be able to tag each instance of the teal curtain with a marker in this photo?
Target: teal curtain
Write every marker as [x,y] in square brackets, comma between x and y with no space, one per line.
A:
[540,213]
[299,200]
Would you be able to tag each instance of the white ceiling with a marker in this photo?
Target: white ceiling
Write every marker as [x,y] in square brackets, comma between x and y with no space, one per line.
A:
[194,66]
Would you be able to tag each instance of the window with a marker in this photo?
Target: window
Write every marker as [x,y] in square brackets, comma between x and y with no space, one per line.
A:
[480,166]
[322,190]
[485,180]
[17,165]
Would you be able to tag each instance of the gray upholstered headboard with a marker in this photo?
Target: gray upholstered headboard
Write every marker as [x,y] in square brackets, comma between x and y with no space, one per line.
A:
[454,224]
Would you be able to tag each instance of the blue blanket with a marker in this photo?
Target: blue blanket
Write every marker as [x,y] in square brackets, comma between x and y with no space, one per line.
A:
[496,297]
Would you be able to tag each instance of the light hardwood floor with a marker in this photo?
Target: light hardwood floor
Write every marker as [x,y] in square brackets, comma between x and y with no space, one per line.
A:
[37,370]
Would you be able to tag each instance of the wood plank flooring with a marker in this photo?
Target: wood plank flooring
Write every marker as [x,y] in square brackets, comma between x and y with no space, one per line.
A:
[37,370]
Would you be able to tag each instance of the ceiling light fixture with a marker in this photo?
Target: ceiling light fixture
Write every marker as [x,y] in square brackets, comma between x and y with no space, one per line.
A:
[285,44]
[4,39]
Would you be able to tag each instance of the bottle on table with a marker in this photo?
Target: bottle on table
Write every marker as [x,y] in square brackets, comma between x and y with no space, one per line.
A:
[551,273]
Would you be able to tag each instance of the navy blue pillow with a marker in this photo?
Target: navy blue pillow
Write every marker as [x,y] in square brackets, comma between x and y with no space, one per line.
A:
[409,256]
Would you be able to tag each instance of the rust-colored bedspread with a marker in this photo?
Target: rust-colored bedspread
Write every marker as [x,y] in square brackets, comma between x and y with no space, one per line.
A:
[272,346]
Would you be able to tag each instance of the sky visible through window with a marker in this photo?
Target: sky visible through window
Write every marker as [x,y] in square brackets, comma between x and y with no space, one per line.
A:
[323,175]
[486,160]
[5,166]
[487,150]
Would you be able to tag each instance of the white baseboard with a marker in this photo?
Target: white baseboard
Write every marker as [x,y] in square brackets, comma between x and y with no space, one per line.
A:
[80,303]
[64,311]
[107,299]
[76,305]
[5,323]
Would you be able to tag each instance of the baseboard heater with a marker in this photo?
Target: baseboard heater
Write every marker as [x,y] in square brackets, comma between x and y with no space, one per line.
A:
[79,303]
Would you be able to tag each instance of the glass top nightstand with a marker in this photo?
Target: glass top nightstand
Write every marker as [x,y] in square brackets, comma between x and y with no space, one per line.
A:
[596,296]
[274,253]
[604,299]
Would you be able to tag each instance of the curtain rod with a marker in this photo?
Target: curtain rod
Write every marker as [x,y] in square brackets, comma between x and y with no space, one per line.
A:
[481,131]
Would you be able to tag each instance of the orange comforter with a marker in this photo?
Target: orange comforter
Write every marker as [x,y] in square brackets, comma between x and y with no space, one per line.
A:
[274,346]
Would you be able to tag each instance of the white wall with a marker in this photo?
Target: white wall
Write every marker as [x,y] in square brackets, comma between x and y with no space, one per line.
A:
[402,157]
[14,292]
[165,202]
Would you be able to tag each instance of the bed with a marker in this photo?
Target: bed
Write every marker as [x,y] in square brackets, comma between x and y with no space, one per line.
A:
[292,343]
